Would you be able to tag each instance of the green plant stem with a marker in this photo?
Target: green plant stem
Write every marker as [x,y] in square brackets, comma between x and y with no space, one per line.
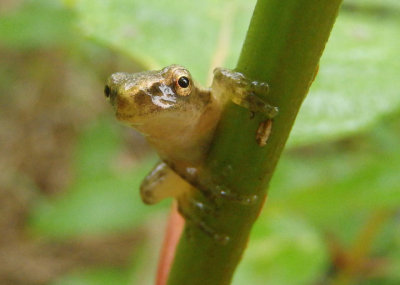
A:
[283,46]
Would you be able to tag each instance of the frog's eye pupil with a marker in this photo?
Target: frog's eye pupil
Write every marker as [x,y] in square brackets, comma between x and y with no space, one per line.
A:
[183,82]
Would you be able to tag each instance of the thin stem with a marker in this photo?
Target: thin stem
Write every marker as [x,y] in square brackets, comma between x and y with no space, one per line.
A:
[172,234]
[358,255]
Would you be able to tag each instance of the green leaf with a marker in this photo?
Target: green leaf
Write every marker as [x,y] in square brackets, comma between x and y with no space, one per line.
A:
[283,250]
[350,92]
[95,276]
[336,183]
[159,33]
[36,24]
[101,199]
[385,6]
[357,82]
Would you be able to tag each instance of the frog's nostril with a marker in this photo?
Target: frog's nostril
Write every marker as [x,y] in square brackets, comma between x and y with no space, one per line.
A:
[107,91]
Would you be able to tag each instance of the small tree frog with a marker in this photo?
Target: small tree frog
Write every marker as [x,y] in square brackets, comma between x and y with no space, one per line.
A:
[179,118]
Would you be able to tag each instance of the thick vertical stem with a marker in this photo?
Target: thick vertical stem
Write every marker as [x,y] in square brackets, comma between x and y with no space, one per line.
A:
[283,46]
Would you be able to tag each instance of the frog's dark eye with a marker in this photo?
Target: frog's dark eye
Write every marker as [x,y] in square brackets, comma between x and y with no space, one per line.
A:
[183,82]
[183,86]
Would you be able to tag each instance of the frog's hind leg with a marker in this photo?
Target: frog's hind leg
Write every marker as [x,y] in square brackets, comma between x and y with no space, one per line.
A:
[198,214]
[162,182]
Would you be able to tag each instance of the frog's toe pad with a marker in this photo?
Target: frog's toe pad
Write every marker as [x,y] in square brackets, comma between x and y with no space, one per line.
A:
[247,93]
[260,87]
[148,196]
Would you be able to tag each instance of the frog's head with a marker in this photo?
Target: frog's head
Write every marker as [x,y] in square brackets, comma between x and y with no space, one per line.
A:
[148,99]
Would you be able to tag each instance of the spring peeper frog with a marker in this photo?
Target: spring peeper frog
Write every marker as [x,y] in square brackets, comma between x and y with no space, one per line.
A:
[179,118]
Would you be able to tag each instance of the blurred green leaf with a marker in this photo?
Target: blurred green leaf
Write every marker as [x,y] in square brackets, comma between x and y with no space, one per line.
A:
[337,184]
[283,250]
[391,6]
[159,33]
[39,23]
[97,276]
[101,199]
[357,82]
[98,145]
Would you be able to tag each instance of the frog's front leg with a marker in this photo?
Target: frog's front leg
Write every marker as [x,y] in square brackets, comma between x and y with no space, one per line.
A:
[242,91]
[161,183]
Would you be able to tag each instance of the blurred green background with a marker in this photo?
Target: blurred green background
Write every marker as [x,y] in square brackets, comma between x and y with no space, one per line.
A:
[70,211]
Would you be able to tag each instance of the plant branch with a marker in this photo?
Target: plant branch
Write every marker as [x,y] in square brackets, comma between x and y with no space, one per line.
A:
[283,45]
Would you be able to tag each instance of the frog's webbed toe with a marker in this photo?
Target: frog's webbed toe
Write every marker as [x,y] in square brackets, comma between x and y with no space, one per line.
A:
[244,92]
[162,182]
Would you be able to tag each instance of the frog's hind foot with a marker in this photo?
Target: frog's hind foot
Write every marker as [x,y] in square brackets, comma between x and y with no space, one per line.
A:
[228,195]
[162,182]
[196,212]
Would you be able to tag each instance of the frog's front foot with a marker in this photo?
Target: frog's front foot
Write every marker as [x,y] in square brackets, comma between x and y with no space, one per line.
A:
[243,92]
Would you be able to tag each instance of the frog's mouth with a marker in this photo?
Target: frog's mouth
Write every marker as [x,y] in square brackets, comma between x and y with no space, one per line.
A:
[128,119]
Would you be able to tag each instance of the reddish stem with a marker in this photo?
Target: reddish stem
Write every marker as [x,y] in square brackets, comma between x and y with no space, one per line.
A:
[172,235]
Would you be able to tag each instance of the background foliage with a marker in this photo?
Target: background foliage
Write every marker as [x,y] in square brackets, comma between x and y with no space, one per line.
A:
[70,173]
